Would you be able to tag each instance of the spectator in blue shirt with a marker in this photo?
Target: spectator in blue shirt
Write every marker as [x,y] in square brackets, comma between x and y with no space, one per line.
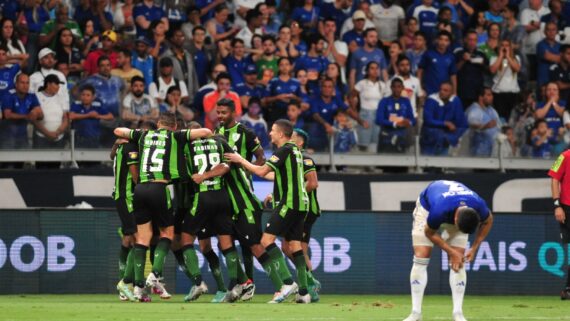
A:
[345,134]
[313,61]
[145,13]
[236,61]
[551,109]
[338,10]
[438,65]
[540,137]
[444,122]
[281,90]
[7,74]
[494,14]
[307,15]
[323,109]
[395,116]
[555,16]
[362,56]
[249,88]
[18,107]
[426,14]
[207,8]
[94,11]
[484,124]
[548,53]
[86,115]
[354,38]
[144,62]
[415,54]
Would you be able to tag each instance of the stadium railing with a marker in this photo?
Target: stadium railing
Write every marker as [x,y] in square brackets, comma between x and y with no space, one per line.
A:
[413,159]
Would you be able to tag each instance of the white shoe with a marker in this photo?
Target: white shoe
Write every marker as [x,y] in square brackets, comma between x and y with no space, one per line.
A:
[458,316]
[277,298]
[287,290]
[303,298]
[233,295]
[123,298]
[141,295]
[156,283]
[196,292]
[248,291]
[414,317]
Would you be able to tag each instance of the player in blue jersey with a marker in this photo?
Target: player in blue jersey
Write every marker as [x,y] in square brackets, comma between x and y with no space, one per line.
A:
[456,211]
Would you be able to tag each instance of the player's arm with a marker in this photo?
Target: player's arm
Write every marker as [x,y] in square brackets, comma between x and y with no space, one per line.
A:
[218,170]
[311,181]
[558,211]
[123,132]
[455,257]
[260,171]
[199,133]
[482,232]
[134,169]
[259,156]
[116,145]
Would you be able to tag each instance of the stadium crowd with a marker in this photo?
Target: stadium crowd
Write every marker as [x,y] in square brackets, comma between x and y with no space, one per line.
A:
[371,73]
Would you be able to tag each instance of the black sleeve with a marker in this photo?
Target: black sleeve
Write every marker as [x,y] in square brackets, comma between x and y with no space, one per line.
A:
[278,158]
[131,153]
[251,141]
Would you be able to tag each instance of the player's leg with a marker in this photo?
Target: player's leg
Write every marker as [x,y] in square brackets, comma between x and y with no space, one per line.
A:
[142,242]
[313,284]
[422,253]
[191,260]
[565,239]
[214,264]
[457,280]
[293,239]
[176,245]
[164,218]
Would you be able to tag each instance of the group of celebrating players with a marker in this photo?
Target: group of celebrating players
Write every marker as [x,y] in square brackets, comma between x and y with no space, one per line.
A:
[211,174]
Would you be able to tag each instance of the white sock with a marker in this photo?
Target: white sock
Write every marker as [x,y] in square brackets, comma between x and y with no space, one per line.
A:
[418,282]
[458,283]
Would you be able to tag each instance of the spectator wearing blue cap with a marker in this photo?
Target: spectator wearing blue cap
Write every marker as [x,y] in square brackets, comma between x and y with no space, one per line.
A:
[142,61]
[250,88]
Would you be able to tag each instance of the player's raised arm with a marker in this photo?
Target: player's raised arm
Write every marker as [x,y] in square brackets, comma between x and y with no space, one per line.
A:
[123,132]
[218,170]
[260,171]
[482,232]
[199,133]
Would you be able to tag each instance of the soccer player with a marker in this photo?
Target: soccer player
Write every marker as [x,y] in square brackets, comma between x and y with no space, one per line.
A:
[561,195]
[159,164]
[291,208]
[125,156]
[210,213]
[243,141]
[456,211]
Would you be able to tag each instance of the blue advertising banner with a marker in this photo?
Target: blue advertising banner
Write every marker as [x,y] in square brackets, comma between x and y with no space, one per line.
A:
[71,251]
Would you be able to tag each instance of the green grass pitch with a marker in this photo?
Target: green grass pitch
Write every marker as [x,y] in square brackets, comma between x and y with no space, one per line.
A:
[331,307]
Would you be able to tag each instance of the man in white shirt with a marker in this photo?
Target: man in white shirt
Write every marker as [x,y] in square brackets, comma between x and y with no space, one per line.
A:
[50,131]
[253,18]
[388,19]
[530,19]
[412,88]
[158,89]
[47,63]
[242,7]
[338,52]
[138,107]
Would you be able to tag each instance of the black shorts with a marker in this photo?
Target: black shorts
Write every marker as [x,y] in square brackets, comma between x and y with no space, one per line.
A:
[308,227]
[286,222]
[248,228]
[152,203]
[125,208]
[179,215]
[210,215]
[565,228]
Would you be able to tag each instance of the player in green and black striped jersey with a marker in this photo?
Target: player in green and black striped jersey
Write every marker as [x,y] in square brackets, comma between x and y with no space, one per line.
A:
[125,156]
[244,142]
[210,213]
[291,207]
[161,161]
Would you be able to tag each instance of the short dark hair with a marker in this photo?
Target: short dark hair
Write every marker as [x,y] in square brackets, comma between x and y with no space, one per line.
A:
[420,34]
[88,87]
[252,14]
[3,47]
[564,47]
[365,33]
[283,58]
[314,39]
[137,78]
[172,89]
[402,58]
[285,126]
[226,102]
[126,52]
[481,91]
[467,220]
[264,38]
[223,75]
[237,40]
[396,80]
[444,33]
[198,28]
[101,59]
[168,119]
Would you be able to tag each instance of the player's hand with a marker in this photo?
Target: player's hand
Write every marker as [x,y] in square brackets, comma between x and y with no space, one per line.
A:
[470,254]
[329,129]
[198,178]
[233,157]
[268,200]
[456,261]
[560,215]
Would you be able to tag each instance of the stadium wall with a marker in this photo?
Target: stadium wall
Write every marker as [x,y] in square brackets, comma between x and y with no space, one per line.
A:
[75,251]
[511,192]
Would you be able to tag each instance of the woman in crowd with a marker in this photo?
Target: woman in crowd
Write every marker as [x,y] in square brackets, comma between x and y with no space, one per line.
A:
[505,68]
[67,52]
[9,38]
